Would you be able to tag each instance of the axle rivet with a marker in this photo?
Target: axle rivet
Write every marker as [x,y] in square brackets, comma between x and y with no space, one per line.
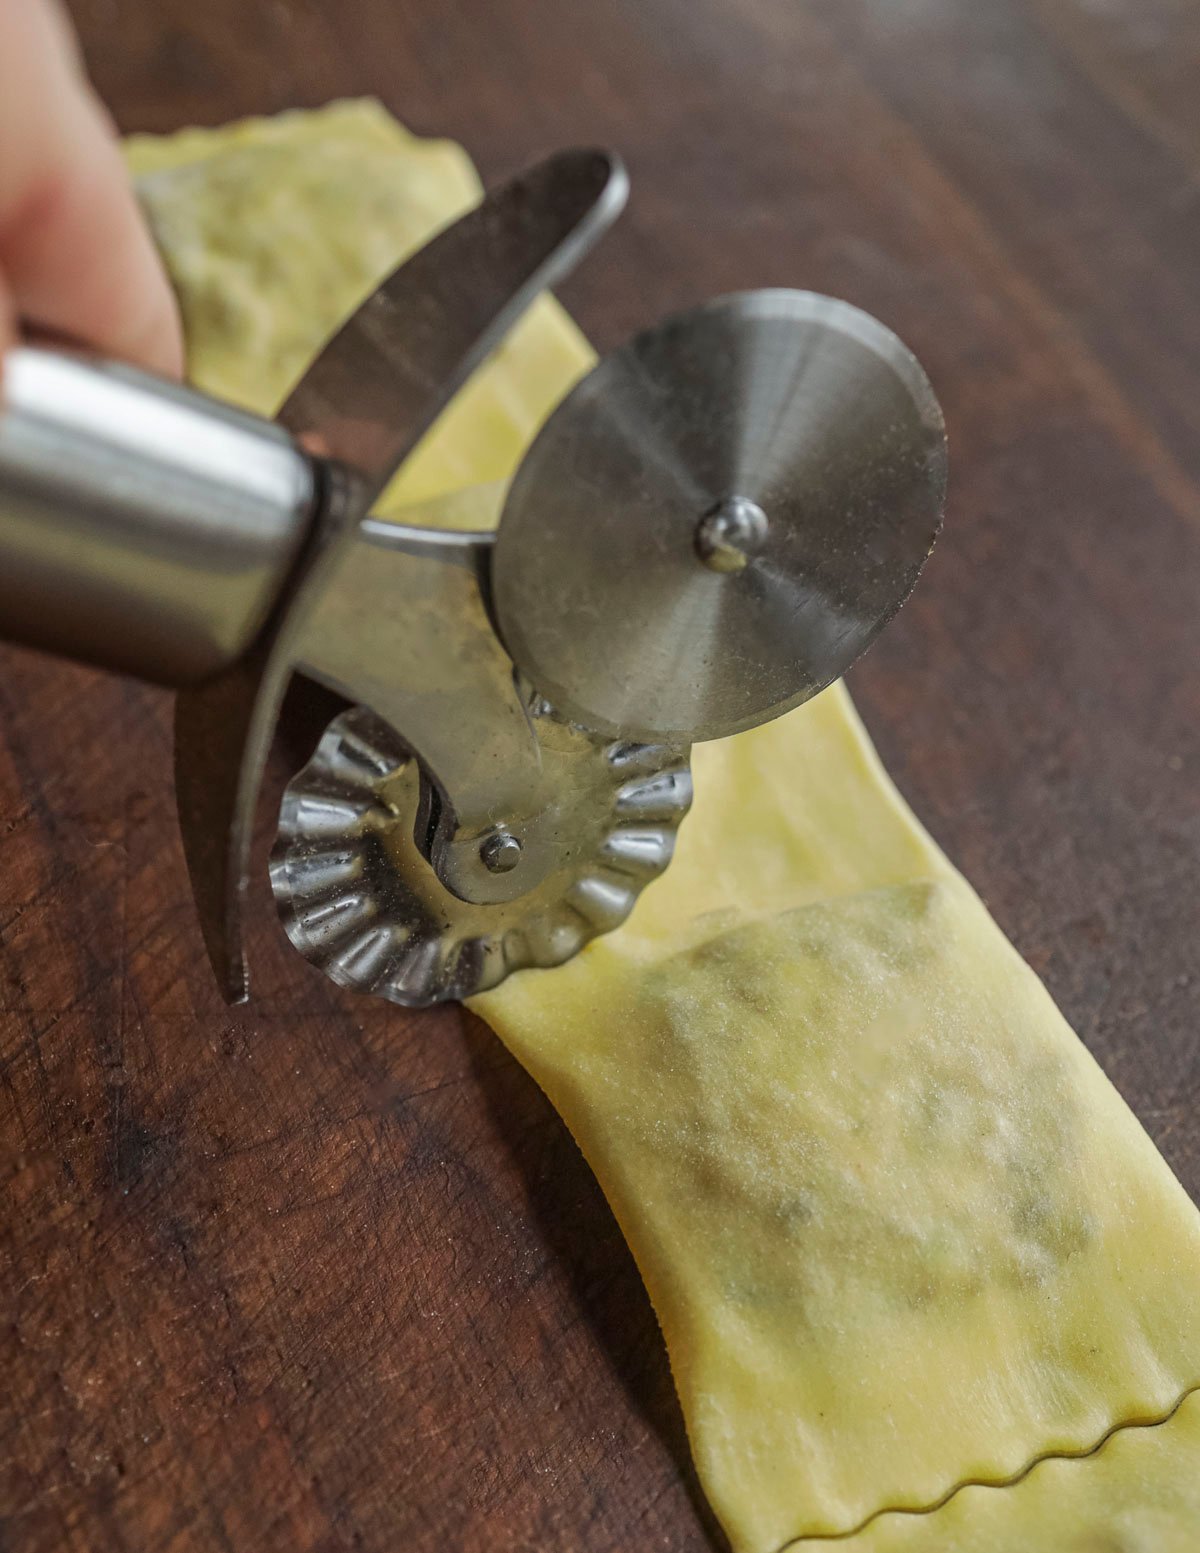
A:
[729,535]
[501,852]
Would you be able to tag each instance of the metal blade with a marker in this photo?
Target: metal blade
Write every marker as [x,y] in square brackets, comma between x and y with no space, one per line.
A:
[385,376]
[720,517]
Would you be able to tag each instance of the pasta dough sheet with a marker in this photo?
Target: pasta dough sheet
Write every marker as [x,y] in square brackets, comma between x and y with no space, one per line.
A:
[899,1229]
[1139,1493]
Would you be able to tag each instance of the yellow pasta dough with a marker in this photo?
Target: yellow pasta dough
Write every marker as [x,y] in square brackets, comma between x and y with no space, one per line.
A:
[900,1231]
[1139,1493]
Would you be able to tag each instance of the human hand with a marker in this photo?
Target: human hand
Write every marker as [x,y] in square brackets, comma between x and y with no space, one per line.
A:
[75,255]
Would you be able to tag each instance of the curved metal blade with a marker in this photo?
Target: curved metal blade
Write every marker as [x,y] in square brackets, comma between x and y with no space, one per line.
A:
[365,403]
[384,377]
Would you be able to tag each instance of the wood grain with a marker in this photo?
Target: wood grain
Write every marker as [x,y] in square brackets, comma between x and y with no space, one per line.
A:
[323,1275]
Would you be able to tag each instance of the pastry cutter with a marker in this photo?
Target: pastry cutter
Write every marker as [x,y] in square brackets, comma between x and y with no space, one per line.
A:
[707,530]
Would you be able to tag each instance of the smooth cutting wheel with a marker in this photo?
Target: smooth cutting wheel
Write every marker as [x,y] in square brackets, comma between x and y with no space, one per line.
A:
[720,517]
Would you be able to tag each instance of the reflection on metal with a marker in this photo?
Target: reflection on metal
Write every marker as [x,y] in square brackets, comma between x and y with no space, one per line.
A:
[143,527]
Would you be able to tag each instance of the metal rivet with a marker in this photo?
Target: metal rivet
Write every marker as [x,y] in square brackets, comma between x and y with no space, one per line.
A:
[500,852]
[730,534]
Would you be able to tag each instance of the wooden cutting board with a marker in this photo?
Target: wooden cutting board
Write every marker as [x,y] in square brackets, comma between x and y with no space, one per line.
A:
[321,1274]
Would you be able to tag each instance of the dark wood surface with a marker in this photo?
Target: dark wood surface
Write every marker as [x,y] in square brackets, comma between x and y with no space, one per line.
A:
[323,1275]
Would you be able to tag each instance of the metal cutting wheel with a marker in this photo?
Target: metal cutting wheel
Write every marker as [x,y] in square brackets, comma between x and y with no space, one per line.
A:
[358,898]
[752,489]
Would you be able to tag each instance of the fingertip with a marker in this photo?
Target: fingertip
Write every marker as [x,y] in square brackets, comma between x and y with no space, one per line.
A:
[7,334]
[159,344]
[137,317]
[76,255]
[140,320]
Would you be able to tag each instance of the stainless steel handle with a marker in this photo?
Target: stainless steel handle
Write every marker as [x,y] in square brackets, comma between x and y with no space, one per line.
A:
[143,526]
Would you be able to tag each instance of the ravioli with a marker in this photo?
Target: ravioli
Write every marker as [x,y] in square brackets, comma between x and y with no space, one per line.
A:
[900,1231]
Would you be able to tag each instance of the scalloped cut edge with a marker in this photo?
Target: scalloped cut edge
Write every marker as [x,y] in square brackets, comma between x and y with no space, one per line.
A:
[810,1538]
